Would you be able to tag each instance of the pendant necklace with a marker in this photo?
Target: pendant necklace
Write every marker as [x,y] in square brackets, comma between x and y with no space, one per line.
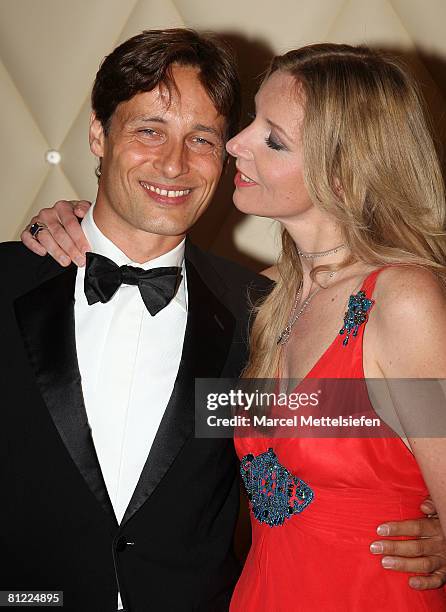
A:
[294,316]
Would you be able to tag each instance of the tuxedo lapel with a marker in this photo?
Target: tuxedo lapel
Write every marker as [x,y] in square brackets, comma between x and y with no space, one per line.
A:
[209,332]
[45,317]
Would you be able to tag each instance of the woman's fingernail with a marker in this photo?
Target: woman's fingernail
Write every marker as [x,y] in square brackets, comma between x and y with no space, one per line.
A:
[388,562]
[80,261]
[383,530]
[65,261]
[376,548]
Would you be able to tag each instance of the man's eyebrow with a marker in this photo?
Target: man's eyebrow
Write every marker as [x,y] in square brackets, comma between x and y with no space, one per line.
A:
[147,118]
[209,129]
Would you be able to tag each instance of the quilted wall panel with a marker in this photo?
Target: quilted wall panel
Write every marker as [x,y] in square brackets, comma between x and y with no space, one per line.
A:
[50,50]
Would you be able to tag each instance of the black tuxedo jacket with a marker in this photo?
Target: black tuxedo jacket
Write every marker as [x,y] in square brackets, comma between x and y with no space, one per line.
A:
[173,549]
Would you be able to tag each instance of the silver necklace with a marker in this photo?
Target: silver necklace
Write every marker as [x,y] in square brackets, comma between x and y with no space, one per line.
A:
[294,316]
[321,253]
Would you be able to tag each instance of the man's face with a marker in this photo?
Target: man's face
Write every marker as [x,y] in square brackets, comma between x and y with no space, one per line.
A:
[161,158]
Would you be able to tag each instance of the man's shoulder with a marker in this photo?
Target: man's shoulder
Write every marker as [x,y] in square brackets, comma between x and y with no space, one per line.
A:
[236,272]
[236,285]
[15,251]
[21,268]
[227,269]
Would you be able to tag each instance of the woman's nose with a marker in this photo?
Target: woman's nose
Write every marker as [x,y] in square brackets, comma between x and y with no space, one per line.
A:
[238,146]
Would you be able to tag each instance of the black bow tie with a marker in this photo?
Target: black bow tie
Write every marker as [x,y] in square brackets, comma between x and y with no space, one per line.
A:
[103,278]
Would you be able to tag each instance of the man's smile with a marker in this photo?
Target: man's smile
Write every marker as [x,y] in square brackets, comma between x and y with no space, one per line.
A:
[163,192]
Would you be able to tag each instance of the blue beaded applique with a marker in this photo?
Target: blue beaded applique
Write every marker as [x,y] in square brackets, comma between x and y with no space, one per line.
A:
[275,494]
[356,315]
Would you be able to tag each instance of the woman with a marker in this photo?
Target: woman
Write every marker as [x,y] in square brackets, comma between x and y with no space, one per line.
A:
[339,153]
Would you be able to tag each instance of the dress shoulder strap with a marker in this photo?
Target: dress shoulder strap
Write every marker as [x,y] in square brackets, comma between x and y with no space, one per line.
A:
[368,285]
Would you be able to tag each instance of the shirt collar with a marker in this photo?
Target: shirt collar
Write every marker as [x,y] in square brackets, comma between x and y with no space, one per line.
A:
[104,246]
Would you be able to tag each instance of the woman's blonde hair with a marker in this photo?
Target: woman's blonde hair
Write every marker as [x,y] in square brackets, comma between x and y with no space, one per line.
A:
[364,130]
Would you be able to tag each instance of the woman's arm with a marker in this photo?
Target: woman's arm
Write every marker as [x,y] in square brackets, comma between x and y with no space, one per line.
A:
[409,342]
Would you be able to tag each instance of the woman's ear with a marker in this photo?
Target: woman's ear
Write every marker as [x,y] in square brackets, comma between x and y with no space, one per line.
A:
[338,188]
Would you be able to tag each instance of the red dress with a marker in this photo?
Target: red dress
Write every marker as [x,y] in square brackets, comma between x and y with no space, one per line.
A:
[319,560]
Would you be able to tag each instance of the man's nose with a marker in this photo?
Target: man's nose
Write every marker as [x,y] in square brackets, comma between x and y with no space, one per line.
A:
[172,160]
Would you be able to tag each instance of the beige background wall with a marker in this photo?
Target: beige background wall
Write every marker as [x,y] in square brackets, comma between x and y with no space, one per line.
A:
[50,50]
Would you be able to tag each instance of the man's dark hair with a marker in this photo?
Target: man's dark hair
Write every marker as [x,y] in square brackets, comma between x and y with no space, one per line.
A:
[144,61]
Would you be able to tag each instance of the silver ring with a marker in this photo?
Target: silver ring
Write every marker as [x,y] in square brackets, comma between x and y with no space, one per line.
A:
[35,228]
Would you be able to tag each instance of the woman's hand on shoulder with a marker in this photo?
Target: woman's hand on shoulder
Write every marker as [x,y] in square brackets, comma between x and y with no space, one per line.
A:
[62,237]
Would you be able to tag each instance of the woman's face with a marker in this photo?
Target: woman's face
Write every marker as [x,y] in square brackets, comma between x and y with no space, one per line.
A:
[269,180]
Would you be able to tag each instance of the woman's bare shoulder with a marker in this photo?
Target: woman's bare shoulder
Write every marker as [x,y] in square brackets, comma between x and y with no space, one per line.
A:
[409,317]
[409,288]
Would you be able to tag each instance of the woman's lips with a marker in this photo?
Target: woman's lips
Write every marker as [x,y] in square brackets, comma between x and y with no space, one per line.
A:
[241,180]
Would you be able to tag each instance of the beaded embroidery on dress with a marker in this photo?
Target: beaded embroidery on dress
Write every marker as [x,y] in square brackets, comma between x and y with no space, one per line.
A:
[275,494]
[356,314]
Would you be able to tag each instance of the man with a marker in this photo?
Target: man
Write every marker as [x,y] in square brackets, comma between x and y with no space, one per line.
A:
[107,484]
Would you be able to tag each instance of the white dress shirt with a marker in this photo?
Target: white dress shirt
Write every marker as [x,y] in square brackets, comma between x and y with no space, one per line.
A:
[128,362]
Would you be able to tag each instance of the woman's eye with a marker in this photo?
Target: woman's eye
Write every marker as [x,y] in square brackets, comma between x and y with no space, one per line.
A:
[274,144]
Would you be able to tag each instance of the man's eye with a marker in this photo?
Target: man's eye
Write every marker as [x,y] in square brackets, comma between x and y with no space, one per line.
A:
[201,145]
[203,141]
[148,132]
[274,144]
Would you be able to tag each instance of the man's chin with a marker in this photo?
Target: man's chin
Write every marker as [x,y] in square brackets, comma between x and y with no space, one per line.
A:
[168,228]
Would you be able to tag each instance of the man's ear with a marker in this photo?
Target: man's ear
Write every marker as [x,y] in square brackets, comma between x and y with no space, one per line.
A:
[96,136]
